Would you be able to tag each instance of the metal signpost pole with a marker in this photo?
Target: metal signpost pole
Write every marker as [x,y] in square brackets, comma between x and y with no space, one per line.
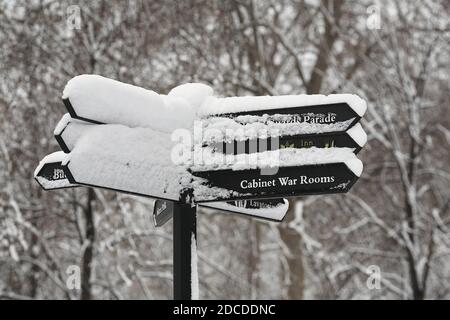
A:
[184,234]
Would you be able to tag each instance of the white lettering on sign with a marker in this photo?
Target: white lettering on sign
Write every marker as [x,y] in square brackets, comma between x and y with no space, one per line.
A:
[308,117]
[306,180]
[58,174]
[245,184]
[285,182]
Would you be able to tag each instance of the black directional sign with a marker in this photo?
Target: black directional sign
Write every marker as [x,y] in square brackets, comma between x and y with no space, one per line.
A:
[315,114]
[337,127]
[268,209]
[162,212]
[51,176]
[288,181]
[323,140]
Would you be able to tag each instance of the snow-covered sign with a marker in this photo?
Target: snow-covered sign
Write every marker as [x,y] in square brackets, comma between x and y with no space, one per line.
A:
[118,136]
[299,121]
[289,181]
[50,173]
[354,138]
[271,209]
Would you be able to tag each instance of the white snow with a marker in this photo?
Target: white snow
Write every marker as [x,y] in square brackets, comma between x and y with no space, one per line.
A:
[131,159]
[109,101]
[62,124]
[218,129]
[287,157]
[194,269]
[253,103]
[271,212]
[358,134]
[194,93]
[71,130]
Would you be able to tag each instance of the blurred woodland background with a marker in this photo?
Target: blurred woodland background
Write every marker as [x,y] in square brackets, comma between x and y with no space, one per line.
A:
[396,220]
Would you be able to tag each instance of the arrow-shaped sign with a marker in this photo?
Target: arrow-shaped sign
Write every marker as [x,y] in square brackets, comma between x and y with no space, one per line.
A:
[312,109]
[269,209]
[288,181]
[50,173]
[354,138]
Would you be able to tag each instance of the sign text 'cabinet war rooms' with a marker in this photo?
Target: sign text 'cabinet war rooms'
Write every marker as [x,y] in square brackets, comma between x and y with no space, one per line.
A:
[189,148]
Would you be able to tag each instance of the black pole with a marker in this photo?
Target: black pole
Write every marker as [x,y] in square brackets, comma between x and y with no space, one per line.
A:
[184,251]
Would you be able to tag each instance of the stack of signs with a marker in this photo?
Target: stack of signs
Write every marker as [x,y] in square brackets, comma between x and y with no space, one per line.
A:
[253,150]
[322,132]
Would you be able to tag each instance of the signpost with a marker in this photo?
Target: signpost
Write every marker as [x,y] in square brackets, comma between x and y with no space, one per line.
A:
[129,153]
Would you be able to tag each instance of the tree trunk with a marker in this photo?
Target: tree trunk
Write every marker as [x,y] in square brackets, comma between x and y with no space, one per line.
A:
[292,240]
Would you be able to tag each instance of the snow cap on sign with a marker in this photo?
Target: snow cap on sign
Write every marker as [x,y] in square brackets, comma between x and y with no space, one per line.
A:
[68,131]
[194,93]
[62,124]
[355,165]
[286,157]
[57,156]
[358,134]
[99,99]
[135,160]
[256,103]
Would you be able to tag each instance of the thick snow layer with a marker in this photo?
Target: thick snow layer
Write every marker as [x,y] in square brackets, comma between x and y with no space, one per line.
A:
[287,157]
[271,212]
[70,130]
[136,160]
[358,134]
[62,124]
[218,129]
[194,93]
[109,101]
[251,103]
[204,192]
